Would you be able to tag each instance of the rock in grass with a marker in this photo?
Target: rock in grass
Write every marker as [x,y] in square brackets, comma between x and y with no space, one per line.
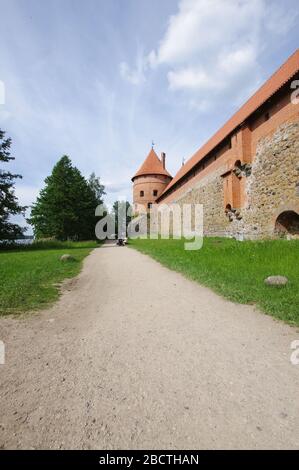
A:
[67,258]
[276,281]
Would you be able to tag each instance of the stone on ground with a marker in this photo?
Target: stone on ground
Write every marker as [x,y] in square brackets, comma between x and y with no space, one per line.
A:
[276,281]
[67,258]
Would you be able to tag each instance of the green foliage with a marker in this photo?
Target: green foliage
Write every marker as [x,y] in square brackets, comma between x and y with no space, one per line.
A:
[30,274]
[8,201]
[119,209]
[237,270]
[65,207]
[97,188]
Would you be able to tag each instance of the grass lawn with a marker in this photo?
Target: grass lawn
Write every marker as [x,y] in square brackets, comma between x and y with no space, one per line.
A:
[28,274]
[237,270]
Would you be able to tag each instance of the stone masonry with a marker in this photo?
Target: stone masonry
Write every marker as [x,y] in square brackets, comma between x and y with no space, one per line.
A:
[270,189]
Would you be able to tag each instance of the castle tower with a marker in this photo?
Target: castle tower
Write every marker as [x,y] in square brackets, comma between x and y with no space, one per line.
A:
[150,180]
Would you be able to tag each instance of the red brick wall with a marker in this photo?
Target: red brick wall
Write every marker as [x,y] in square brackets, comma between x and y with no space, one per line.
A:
[245,140]
[148,184]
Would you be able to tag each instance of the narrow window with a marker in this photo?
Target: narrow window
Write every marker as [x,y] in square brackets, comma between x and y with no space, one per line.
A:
[149,205]
[155,192]
[141,193]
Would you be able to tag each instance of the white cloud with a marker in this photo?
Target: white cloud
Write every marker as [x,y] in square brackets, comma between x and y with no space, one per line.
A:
[135,75]
[213,46]
[201,26]
[26,197]
[222,71]
[189,77]
[238,59]
[27,194]
[118,187]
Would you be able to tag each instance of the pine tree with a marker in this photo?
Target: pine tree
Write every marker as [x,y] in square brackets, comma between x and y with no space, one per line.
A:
[124,209]
[97,187]
[65,207]
[93,196]
[8,201]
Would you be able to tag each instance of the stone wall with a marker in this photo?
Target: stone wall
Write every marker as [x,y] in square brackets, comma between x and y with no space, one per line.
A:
[270,189]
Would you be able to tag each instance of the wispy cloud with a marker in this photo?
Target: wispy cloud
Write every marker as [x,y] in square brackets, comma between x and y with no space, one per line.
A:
[135,75]
[211,48]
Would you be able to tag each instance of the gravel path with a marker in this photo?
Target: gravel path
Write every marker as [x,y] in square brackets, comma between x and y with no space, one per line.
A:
[136,356]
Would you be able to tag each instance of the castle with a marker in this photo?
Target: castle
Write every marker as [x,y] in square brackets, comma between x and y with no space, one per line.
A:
[247,175]
[150,181]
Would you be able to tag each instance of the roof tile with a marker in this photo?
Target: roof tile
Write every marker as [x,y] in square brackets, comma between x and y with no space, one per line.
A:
[152,165]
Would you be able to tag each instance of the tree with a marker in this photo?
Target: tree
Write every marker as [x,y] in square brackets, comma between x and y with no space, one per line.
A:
[97,187]
[95,196]
[124,210]
[65,207]
[8,201]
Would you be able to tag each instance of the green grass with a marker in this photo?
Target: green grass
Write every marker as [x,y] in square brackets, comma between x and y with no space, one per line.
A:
[30,274]
[237,270]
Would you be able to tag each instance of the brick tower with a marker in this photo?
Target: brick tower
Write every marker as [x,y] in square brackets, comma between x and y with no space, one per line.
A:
[150,181]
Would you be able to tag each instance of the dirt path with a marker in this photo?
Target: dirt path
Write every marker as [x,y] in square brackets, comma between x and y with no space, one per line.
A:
[135,356]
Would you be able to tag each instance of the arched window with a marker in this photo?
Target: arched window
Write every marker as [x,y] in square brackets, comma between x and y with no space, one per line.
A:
[287,223]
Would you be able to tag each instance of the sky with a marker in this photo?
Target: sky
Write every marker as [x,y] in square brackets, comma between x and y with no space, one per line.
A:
[100,80]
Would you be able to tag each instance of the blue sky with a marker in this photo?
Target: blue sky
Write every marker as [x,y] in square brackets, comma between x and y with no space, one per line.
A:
[98,80]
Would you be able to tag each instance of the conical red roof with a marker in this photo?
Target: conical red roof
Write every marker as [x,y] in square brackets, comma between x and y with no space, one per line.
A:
[152,165]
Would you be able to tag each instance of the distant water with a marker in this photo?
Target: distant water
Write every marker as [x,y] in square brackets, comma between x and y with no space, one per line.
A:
[24,241]
[19,241]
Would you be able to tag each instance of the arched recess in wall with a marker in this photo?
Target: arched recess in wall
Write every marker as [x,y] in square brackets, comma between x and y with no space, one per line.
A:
[287,223]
